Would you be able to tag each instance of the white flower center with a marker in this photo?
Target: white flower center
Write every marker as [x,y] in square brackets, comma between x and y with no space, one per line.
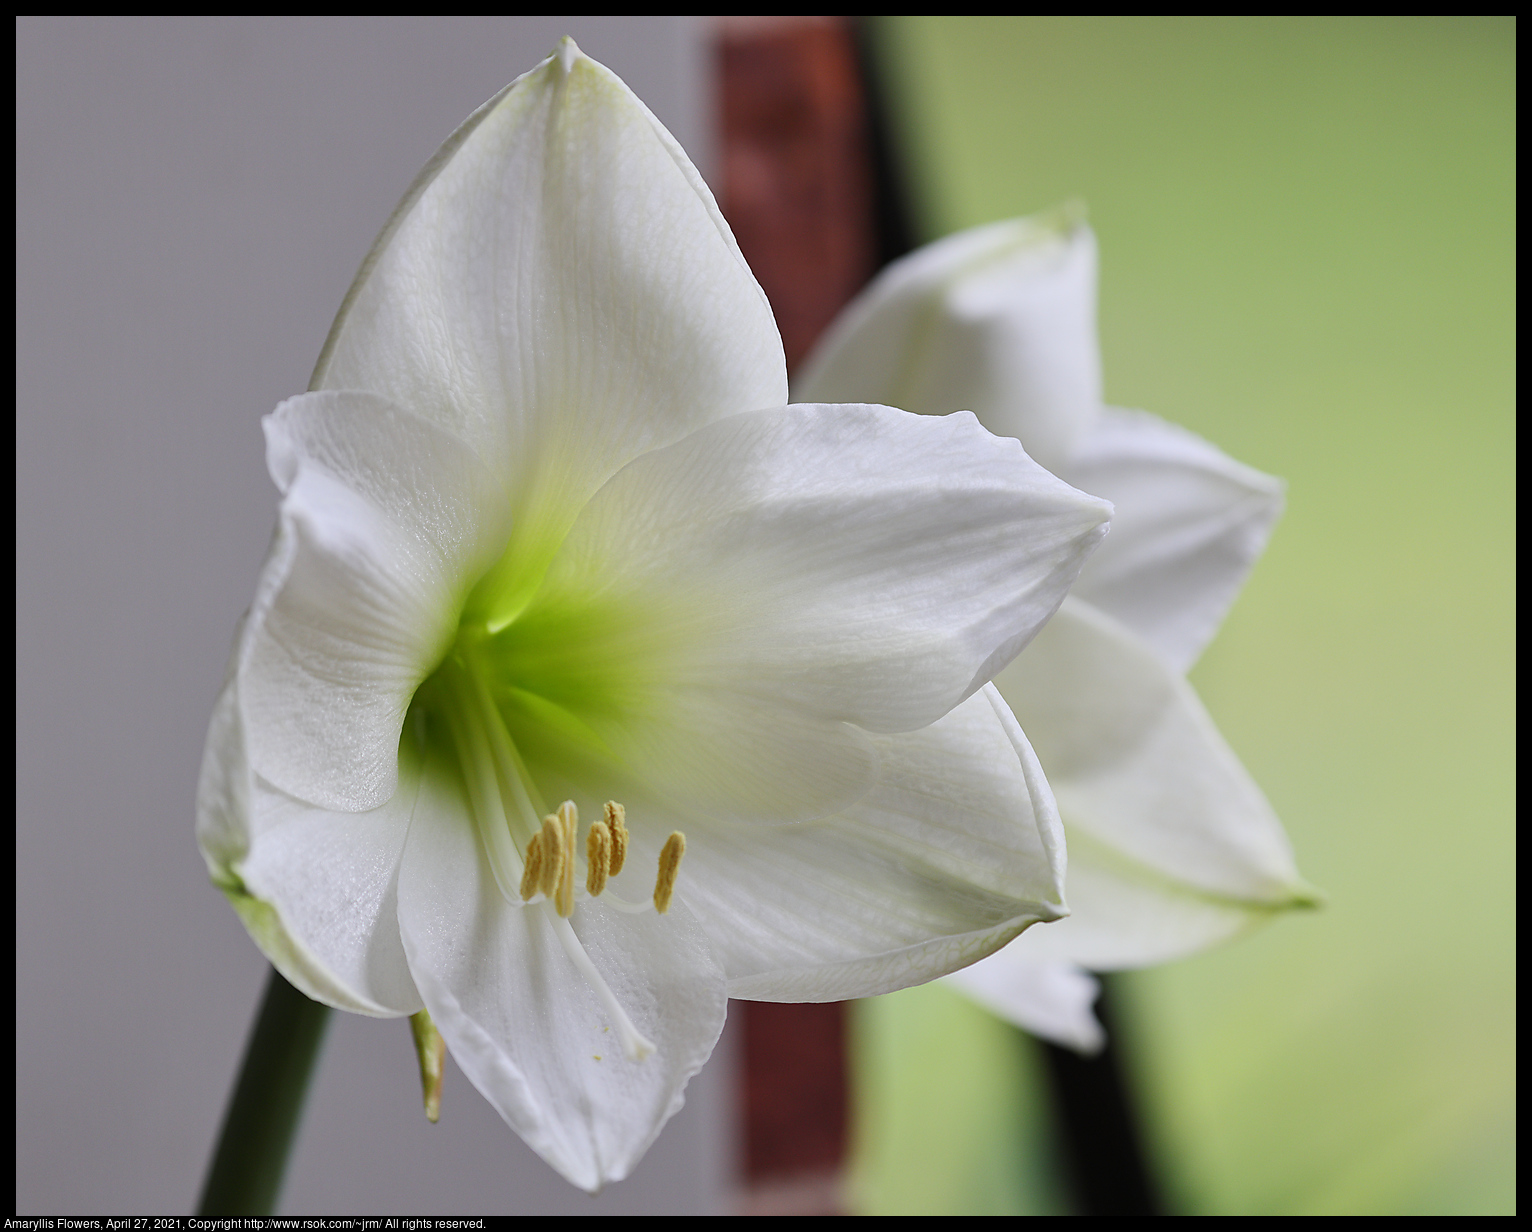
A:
[536,862]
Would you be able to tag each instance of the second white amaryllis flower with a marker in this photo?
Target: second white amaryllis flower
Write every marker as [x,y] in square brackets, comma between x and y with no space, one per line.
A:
[1172,846]
[587,684]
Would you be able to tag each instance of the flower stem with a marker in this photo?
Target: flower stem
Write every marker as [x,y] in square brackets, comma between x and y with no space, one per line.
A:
[245,1176]
[1105,1160]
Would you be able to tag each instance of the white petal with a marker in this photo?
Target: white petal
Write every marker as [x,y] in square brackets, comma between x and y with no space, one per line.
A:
[1124,915]
[560,289]
[315,889]
[782,575]
[386,523]
[223,783]
[955,850]
[999,320]
[522,1021]
[1151,797]
[1050,999]
[1189,523]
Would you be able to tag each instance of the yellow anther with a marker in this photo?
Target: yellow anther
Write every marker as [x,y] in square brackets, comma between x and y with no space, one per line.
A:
[616,822]
[532,875]
[551,873]
[670,867]
[598,851]
[568,820]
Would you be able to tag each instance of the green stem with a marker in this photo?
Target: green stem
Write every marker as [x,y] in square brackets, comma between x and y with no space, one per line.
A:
[245,1176]
[1098,1125]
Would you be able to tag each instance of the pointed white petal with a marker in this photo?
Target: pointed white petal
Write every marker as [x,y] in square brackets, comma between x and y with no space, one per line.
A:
[955,850]
[1125,915]
[999,320]
[1151,796]
[223,783]
[1189,523]
[526,1026]
[386,523]
[781,575]
[560,289]
[1050,999]
[316,889]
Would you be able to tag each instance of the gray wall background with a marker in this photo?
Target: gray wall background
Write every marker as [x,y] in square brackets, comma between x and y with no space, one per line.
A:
[193,198]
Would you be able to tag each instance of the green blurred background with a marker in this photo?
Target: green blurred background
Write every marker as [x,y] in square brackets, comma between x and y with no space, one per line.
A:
[1307,250]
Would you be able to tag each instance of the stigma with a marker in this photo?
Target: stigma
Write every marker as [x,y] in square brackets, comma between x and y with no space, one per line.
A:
[552,854]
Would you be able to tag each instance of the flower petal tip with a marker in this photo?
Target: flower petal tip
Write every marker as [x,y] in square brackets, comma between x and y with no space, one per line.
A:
[1063,220]
[567,52]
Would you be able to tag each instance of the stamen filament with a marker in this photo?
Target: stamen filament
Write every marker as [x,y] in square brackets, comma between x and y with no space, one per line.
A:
[634,1046]
[513,771]
[484,796]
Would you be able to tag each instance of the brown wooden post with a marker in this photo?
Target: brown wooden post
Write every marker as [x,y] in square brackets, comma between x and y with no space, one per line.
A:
[797,175]
[798,190]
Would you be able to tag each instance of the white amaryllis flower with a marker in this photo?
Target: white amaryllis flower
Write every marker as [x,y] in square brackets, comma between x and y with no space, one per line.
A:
[1172,846]
[586,683]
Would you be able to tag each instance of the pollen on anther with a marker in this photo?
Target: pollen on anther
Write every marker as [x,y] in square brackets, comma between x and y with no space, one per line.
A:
[553,855]
[598,854]
[568,822]
[532,875]
[616,822]
[670,867]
